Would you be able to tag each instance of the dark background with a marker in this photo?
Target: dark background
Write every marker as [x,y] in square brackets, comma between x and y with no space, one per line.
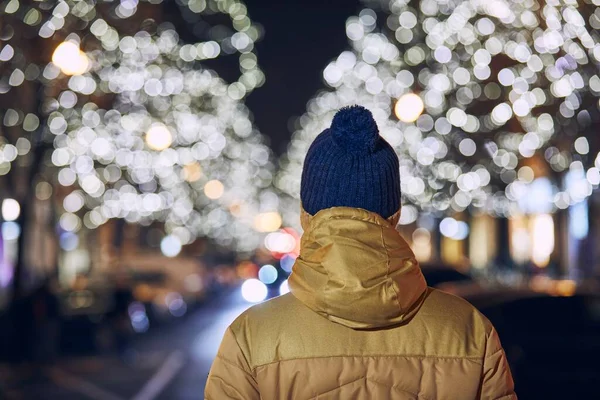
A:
[301,37]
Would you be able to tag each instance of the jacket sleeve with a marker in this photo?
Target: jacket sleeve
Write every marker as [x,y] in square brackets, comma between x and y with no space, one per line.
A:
[230,376]
[497,382]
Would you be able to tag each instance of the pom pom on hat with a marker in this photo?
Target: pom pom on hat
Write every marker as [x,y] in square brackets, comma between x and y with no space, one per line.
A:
[355,129]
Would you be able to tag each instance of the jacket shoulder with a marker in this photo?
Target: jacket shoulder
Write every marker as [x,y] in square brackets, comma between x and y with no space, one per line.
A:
[454,311]
[266,313]
[260,327]
[440,302]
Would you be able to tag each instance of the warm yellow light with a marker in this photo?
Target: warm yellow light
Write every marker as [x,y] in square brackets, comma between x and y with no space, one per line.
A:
[566,288]
[192,172]
[214,189]
[409,107]
[543,239]
[422,244]
[482,241]
[236,209]
[267,222]
[158,137]
[70,59]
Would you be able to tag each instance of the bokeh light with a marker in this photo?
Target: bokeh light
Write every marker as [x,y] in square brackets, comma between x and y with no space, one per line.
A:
[138,125]
[11,209]
[70,59]
[409,107]
[158,137]
[465,92]
[254,291]
[267,274]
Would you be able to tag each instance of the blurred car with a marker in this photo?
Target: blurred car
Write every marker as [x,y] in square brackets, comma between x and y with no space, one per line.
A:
[551,335]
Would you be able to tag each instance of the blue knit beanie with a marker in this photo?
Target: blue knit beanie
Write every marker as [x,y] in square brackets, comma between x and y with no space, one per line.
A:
[350,165]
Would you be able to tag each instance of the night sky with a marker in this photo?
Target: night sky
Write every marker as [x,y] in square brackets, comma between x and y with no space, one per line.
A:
[301,37]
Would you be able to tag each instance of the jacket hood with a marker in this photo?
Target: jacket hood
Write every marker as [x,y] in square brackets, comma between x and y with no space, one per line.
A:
[355,269]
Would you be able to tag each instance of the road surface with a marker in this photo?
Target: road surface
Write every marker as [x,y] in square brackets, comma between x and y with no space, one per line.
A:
[170,363]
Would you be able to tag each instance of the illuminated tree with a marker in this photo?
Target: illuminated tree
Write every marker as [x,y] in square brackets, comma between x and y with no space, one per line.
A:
[479,98]
[107,101]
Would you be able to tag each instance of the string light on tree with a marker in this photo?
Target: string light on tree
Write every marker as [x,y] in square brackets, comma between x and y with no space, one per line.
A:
[409,107]
[214,189]
[70,59]
[158,137]
[141,128]
[497,82]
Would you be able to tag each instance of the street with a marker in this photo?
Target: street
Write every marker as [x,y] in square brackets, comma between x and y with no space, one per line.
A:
[169,363]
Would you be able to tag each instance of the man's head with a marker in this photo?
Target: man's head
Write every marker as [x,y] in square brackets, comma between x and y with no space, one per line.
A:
[350,165]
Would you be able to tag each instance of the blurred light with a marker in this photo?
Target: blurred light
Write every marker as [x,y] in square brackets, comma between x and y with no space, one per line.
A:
[280,242]
[139,319]
[267,274]
[192,172]
[170,246]
[408,215]
[593,176]
[43,190]
[287,263]
[214,189]
[579,221]
[70,222]
[457,230]
[543,239]
[69,241]
[482,241]
[582,146]
[576,182]
[73,202]
[158,137]
[10,231]
[10,209]
[449,227]
[193,283]
[268,222]
[422,244]
[463,231]
[70,59]
[176,305]
[565,288]
[254,291]
[467,147]
[284,288]
[442,54]
[538,197]
[526,174]
[409,107]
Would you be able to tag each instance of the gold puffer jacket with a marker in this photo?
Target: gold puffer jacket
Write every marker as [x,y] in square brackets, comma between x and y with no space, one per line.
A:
[360,323]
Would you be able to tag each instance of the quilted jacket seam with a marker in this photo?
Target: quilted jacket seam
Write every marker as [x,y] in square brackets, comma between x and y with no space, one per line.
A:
[338,387]
[475,359]
[225,383]
[387,276]
[229,362]
[241,351]
[395,387]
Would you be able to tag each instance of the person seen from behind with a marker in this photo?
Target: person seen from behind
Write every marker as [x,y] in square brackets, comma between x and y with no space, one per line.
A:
[360,321]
